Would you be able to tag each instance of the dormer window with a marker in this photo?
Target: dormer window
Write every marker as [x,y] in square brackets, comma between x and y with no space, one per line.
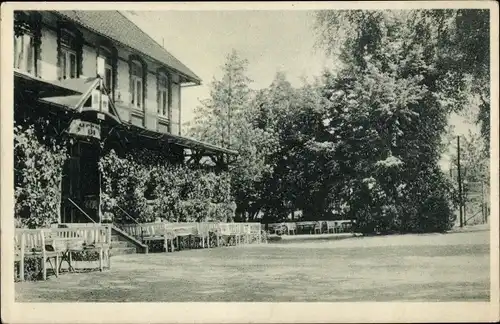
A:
[163,87]
[136,76]
[68,55]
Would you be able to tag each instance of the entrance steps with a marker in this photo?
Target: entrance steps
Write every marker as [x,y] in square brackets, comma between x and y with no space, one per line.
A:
[122,243]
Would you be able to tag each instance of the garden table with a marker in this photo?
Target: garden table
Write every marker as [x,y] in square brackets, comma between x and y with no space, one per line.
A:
[65,246]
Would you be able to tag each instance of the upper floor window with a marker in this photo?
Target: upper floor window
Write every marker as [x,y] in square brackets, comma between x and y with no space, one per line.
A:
[163,94]
[107,58]
[136,79]
[175,106]
[27,39]
[24,52]
[68,57]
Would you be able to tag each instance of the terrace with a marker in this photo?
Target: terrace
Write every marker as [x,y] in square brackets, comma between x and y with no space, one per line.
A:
[432,267]
[51,247]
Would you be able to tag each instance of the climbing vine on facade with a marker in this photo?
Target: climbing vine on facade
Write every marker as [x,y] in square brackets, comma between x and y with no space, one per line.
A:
[38,163]
[145,187]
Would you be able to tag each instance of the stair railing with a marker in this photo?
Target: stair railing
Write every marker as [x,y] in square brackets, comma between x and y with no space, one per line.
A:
[135,221]
[81,210]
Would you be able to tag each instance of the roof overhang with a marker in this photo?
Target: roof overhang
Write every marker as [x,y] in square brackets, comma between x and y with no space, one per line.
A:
[185,142]
[42,87]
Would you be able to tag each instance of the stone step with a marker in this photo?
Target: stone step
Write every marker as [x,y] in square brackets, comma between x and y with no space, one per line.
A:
[121,239]
[123,250]
[115,238]
[118,244]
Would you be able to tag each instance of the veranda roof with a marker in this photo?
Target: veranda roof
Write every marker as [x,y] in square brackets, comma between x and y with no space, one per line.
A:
[73,93]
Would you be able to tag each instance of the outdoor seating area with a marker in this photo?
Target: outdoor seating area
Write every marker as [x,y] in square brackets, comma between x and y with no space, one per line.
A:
[309,227]
[55,250]
[170,237]
[66,248]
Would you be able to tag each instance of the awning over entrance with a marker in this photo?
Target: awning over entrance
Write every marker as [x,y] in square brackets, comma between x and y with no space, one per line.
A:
[84,89]
[51,88]
[70,102]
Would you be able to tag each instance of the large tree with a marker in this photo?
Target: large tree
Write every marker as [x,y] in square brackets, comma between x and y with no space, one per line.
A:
[390,107]
[294,117]
[226,118]
[456,42]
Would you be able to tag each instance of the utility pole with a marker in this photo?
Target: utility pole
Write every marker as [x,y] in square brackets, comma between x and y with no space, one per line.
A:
[465,192]
[483,214]
[459,182]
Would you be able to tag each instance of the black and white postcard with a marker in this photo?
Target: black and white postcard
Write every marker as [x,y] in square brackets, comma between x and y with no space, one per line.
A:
[250,162]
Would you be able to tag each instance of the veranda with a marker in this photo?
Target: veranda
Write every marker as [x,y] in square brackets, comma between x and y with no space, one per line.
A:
[73,231]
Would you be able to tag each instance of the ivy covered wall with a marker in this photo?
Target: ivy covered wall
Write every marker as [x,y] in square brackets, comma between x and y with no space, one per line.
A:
[144,185]
[39,157]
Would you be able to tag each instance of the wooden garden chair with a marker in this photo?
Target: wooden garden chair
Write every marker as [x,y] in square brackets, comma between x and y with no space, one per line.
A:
[291,228]
[318,228]
[33,244]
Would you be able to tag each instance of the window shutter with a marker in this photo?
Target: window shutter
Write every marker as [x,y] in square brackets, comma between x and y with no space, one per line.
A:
[175,108]
[158,101]
[158,98]
[139,95]
[72,65]
[131,85]
[62,64]
[144,84]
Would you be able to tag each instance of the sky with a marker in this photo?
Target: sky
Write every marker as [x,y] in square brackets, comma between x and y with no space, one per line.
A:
[271,41]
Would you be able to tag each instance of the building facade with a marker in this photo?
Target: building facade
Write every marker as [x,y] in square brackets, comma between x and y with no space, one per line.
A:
[100,78]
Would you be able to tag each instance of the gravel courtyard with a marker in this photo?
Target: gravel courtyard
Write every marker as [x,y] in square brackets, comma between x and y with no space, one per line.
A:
[433,267]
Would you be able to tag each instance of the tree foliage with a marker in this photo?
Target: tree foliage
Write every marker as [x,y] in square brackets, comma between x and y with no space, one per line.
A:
[363,142]
[456,44]
[226,119]
[398,87]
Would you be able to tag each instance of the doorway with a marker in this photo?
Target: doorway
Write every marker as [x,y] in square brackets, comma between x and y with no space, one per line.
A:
[81,184]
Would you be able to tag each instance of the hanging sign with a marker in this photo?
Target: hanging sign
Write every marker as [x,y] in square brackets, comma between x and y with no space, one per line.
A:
[84,128]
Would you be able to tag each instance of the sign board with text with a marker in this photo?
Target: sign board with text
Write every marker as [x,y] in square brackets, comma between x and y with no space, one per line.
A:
[86,129]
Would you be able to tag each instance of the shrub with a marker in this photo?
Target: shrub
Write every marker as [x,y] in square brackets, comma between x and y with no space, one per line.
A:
[149,188]
[32,269]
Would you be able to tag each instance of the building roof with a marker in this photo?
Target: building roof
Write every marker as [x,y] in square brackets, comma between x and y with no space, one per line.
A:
[117,27]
